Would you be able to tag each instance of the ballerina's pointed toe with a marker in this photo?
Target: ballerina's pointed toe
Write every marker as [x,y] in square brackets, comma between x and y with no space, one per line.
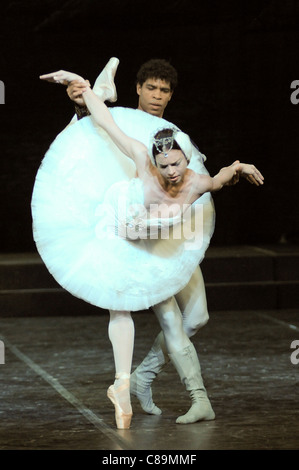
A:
[104,85]
[123,420]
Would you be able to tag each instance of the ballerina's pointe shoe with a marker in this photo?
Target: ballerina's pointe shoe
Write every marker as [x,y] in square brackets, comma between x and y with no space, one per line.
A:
[104,85]
[120,397]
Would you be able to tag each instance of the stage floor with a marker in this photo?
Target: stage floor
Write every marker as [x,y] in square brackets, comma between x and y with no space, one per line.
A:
[57,371]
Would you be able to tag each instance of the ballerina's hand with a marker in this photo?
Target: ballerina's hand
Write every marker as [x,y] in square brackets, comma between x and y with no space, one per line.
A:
[252,174]
[62,77]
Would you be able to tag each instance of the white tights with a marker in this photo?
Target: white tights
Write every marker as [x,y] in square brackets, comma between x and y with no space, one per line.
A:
[170,318]
[193,304]
[121,333]
[180,317]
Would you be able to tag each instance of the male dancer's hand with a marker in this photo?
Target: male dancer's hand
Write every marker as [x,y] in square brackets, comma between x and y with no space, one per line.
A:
[74,91]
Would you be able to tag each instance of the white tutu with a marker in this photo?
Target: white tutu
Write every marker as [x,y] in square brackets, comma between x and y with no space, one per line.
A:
[114,259]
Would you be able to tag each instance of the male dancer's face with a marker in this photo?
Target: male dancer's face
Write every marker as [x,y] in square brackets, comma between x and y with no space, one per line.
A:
[154,96]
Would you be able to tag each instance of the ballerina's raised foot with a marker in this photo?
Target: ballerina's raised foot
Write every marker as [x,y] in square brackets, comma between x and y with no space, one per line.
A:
[104,85]
[119,394]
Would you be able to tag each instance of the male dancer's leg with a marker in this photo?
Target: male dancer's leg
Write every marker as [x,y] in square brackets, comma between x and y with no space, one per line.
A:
[185,360]
[193,305]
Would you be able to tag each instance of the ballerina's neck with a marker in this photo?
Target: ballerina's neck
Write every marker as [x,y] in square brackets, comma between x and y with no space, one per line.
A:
[174,189]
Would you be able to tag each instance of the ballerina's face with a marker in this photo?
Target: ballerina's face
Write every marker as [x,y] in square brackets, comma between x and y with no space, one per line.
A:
[173,167]
[154,95]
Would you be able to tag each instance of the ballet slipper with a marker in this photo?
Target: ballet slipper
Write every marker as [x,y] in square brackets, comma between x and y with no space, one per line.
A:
[104,86]
[123,420]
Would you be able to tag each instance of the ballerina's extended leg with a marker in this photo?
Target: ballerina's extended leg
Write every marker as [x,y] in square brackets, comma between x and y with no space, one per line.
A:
[104,86]
[121,334]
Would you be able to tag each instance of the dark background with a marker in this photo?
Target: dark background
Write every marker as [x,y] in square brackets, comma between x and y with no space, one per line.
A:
[236,62]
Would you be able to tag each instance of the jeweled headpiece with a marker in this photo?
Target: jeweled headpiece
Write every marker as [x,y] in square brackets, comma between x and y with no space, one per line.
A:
[165,144]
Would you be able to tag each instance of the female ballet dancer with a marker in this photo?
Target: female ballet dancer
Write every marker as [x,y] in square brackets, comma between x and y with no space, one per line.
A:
[130,223]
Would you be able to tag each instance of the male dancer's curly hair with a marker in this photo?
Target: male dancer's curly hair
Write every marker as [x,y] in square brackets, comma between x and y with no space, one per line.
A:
[158,69]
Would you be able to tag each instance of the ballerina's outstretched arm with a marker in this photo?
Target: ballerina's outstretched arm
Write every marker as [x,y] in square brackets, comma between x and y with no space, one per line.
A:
[133,148]
[62,77]
[228,176]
